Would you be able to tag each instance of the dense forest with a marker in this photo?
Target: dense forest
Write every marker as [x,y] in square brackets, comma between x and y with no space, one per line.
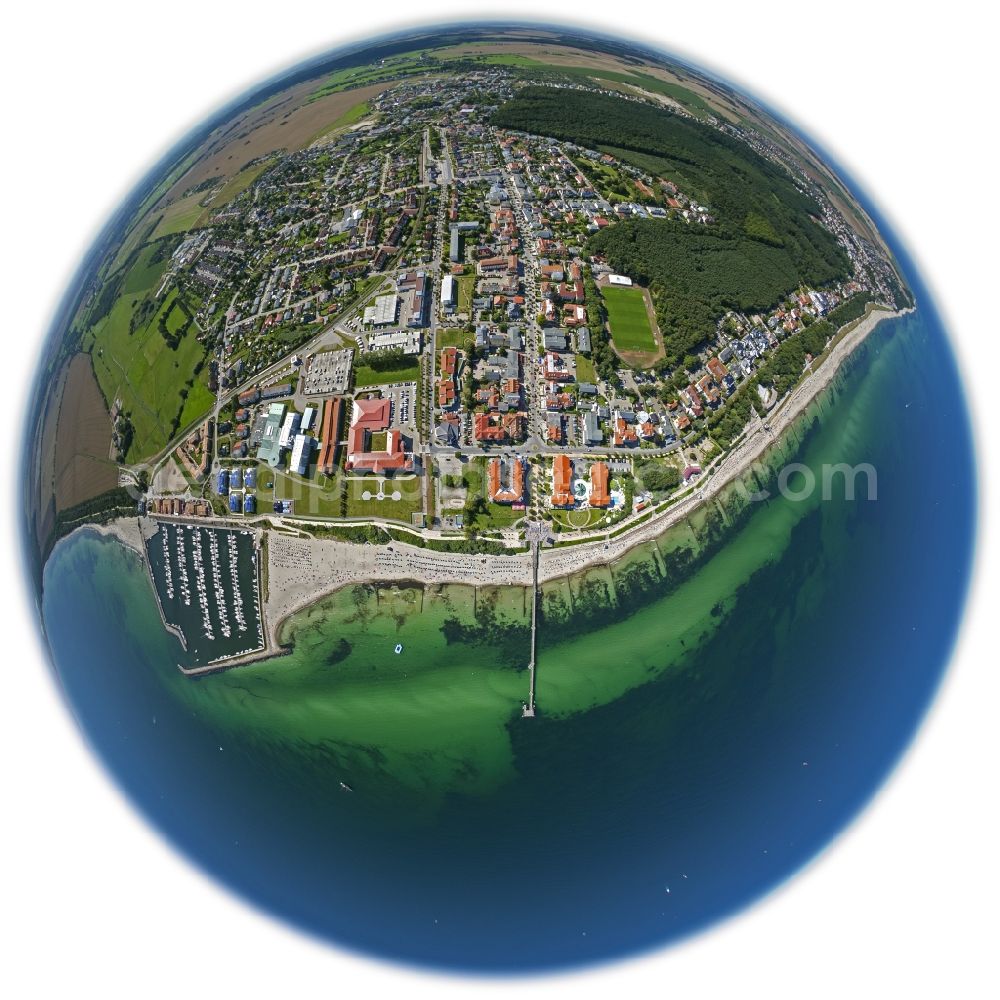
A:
[853,308]
[695,274]
[747,194]
[764,242]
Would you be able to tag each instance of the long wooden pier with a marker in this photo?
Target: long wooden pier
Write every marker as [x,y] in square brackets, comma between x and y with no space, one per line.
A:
[535,532]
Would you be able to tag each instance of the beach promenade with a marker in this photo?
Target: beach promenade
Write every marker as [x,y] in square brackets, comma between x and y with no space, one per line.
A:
[301,570]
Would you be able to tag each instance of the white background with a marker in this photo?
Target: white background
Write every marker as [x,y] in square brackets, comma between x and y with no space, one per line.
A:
[903,904]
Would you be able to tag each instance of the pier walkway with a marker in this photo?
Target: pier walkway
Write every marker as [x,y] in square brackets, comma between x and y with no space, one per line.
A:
[535,532]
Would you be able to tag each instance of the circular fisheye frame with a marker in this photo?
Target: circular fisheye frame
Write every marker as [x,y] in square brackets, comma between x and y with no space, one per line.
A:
[478,501]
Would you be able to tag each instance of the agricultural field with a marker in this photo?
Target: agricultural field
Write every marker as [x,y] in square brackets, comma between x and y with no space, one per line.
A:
[83,467]
[236,185]
[356,76]
[630,323]
[180,216]
[351,116]
[628,82]
[146,272]
[199,400]
[157,383]
[230,155]
[194,209]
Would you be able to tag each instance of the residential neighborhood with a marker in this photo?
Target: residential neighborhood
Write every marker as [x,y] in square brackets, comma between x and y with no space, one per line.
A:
[410,328]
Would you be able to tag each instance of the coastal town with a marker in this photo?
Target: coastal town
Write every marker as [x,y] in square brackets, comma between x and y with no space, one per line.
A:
[458,392]
[411,333]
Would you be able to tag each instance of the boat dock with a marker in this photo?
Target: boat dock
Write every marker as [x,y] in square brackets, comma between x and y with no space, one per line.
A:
[207,585]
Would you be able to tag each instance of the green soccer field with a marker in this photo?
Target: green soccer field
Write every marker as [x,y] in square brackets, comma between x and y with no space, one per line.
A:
[628,319]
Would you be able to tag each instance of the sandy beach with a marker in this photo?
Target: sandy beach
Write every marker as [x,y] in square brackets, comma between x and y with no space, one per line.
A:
[125,529]
[300,570]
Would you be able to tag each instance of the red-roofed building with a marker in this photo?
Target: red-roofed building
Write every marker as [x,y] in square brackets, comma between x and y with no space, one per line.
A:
[498,427]
[329,436]
[371,414]
[513,491]
[599,495]
[625,435]
[446,393]
[555,368]
[369,417]
[562,482]
[449,361]
[490,395]
[571,293]
[708,390]
[693,401]
[718,369]
[499,265]
[447,389]
[515,426]
[488,427]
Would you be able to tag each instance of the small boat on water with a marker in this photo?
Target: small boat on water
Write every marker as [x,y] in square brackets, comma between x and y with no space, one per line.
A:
[345,787]
[399,648]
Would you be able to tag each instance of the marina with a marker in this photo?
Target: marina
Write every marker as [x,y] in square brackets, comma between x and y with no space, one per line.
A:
[668,707]
[207,587]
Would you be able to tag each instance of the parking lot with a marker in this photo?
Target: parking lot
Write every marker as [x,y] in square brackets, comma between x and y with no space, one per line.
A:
[327,372]
[404,402]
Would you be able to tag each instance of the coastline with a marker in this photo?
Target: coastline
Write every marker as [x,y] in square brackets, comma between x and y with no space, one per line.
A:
[123,529]
[734,463]
[302,571]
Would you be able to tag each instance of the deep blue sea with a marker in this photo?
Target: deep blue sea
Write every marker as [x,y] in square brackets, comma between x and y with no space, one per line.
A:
[627,826]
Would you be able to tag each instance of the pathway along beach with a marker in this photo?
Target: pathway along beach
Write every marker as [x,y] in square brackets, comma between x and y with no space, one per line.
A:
[302,571]
[671,728]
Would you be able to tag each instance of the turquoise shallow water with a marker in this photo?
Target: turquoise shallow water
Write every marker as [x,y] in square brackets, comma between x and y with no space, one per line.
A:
[707,733]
